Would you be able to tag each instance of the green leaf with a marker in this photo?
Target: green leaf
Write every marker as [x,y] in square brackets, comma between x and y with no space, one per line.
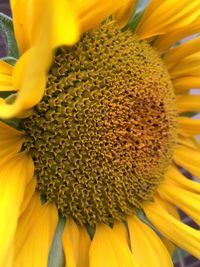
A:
[6,29]
[56,256]
[10,60]
[136,15]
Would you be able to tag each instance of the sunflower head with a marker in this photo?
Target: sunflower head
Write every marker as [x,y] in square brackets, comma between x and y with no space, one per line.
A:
[102,122]
[102,137]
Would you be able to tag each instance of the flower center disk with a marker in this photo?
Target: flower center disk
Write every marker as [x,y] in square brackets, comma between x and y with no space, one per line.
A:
[103,135]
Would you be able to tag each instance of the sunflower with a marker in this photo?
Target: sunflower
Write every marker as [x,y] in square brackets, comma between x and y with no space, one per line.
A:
[97,132]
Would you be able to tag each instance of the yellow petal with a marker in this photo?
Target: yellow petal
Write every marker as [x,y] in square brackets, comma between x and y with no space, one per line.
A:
[188,126]
[29,191]
[53,28]
[5,68]
[183,84]
[175,176]
[30,21]
[147,246]
[188,159]
[91,13]
[183,50]
[65,30]
[6,83]
[10,141]
[122,233]
[108,251]
[165,41]
[188,66]
[21,21]
[6,76]
[70,241]
[189,202]
[172,210]
[161,16]
[123,14]
[14,175]
[84,245]
[188,103]
[35,233]
[182,235]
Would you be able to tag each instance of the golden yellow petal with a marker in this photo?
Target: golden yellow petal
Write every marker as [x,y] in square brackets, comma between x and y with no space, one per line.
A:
[64,29]
[122,232]
[35,234]
[5,68]
[183,50]
[165,41]
[188,158]
[6,83]
[189,202]
[162,17]
[189,126]
[14,175]
[183,84]
[21,20]
[146,245]
[91,13]
[54,27]
[10,141]
[28,194]
[188,66]
[182,235]
[70,241]
[123,14]
[175,176]
[84,245]
[188,103]
[6,76]
[108,251]
[172,210]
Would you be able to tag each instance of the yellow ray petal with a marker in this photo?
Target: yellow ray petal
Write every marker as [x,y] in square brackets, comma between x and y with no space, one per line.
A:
[172,210]
[10,141]
[91,13]
[6,83]
[168,207]
[6,76]
[182,235]
[188,158]
[175,176]
[164,42]
[188,126]
[84,245]
[31,70]
[70,241]
[188,103]
[183,50]
[183,84]
[123,14]
[29,19]
[35,233]
[189,202]
[29,191]
[5,68]
[165,16]
[20,14]
[14,175]
[122,233]
[188,66]
[108,251]
[144,241]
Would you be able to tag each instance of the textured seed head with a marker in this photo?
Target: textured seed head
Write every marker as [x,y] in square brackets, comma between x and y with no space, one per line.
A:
[103,135]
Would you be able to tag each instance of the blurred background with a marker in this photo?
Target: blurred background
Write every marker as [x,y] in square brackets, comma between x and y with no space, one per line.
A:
[181,259]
